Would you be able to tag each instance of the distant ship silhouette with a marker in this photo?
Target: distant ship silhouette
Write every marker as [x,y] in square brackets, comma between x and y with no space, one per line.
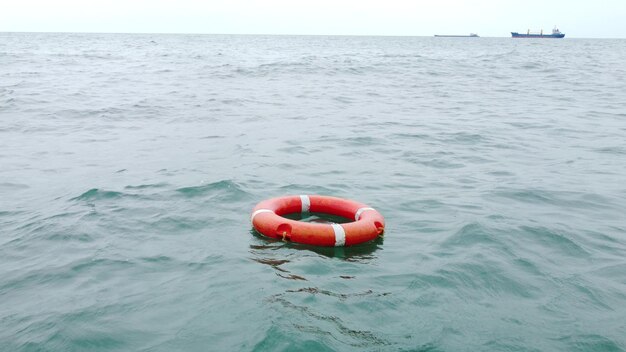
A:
[555,34]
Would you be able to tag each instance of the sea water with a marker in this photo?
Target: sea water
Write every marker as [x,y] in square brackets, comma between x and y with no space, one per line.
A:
[129,165]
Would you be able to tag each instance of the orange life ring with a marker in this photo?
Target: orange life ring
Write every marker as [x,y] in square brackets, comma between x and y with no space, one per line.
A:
[367,225]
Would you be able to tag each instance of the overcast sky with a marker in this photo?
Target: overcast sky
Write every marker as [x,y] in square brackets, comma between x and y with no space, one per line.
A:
[576,18]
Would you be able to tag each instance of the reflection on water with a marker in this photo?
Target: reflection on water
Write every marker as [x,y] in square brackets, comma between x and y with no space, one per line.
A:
[359,253]
[275,253]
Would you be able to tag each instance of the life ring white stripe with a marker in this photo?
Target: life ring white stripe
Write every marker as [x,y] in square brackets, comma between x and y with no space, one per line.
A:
[340,235]
[360,211]
[306,203]
[258,212]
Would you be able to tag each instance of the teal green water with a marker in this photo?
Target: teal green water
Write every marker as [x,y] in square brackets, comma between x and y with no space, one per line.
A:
[129,165]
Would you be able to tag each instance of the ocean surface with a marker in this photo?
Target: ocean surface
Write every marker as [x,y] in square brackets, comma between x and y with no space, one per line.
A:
[129,165]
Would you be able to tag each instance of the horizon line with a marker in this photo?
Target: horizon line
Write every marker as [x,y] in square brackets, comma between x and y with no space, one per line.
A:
[273,34]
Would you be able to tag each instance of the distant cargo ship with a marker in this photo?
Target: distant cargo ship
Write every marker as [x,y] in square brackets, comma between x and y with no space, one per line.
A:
[555,34]
[471,35]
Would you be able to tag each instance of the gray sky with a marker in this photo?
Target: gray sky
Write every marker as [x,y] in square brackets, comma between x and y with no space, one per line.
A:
[576,18]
